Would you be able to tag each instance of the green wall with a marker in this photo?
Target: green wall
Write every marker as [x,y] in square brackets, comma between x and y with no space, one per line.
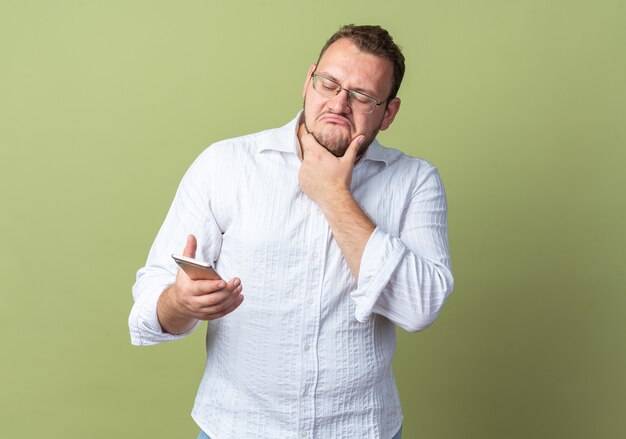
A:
[521,105]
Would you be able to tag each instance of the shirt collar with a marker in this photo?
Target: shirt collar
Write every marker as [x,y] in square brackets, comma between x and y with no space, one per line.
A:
[377,153]
[285,139]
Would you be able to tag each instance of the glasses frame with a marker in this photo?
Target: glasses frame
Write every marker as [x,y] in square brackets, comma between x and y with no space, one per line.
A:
[351,93]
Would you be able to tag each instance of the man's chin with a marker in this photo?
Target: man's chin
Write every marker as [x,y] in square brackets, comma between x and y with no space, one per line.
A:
[334,138]
[336,142]
[339,152]
[336,147]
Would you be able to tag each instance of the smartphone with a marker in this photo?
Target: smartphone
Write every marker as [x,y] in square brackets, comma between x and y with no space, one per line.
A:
[196,270]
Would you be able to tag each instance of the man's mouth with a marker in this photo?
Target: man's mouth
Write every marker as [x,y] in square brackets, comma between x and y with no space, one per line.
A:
[336,119]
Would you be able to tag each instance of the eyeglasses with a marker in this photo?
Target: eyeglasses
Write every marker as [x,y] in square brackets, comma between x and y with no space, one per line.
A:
[356,100]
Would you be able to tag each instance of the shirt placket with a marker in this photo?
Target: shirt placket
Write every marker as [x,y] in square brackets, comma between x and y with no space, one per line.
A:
[311,324]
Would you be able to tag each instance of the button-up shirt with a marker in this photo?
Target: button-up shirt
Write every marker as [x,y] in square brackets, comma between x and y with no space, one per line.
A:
[309,351]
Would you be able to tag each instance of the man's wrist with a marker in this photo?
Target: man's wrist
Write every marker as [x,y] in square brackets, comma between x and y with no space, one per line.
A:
[171,318]
[336,199]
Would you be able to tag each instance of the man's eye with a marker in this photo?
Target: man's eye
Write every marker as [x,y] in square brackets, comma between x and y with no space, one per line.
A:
[329,86]
[361,98]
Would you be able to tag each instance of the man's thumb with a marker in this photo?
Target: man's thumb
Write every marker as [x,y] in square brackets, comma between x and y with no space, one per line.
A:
[353,149]
[190,247]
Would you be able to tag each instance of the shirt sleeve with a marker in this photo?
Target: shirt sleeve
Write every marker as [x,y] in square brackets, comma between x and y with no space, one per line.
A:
[407,278]
[190,213]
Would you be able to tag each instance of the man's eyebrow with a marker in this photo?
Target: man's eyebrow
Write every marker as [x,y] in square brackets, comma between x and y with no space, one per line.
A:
[369,93]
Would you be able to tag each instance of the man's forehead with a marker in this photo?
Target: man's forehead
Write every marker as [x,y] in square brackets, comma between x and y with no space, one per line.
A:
[343,60]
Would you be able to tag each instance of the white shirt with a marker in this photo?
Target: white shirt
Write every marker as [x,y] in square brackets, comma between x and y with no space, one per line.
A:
[308,353]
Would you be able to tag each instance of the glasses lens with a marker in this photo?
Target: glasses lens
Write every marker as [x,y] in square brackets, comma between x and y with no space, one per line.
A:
[325,86]
[362,102]
[357,101]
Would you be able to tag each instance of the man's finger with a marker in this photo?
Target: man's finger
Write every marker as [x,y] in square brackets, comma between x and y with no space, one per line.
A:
[353,149]
[190,247]
[228,310]
[308,142]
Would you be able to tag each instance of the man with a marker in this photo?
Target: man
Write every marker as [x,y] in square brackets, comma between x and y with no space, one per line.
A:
[337,240]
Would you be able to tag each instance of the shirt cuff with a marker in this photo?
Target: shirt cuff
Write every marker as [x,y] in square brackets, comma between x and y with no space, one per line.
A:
[380,258]
[145,329]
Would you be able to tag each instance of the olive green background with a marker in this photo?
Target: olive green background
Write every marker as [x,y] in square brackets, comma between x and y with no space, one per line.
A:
[521,105]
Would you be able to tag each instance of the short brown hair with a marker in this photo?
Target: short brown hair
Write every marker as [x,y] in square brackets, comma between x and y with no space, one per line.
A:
[376,41]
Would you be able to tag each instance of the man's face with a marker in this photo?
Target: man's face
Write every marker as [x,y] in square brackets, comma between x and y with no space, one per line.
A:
[331,120]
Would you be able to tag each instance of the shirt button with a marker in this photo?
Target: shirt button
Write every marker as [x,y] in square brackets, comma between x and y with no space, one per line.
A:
[306,349]
[304,434]
[311,301]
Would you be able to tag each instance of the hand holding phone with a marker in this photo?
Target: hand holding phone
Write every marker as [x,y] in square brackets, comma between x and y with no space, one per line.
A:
[186,301]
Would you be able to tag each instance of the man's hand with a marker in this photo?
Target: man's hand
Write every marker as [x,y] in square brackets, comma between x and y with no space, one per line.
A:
[323,177]
[185,302]
[326,179]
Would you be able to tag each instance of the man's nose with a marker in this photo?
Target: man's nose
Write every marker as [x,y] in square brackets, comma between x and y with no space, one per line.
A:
[339,102]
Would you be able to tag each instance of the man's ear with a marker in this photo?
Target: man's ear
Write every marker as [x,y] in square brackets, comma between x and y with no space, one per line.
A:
[390,113]
[308,78]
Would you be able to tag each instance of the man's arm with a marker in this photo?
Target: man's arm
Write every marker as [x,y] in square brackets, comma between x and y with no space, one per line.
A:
[405,278]
[326,180]
[168,304]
